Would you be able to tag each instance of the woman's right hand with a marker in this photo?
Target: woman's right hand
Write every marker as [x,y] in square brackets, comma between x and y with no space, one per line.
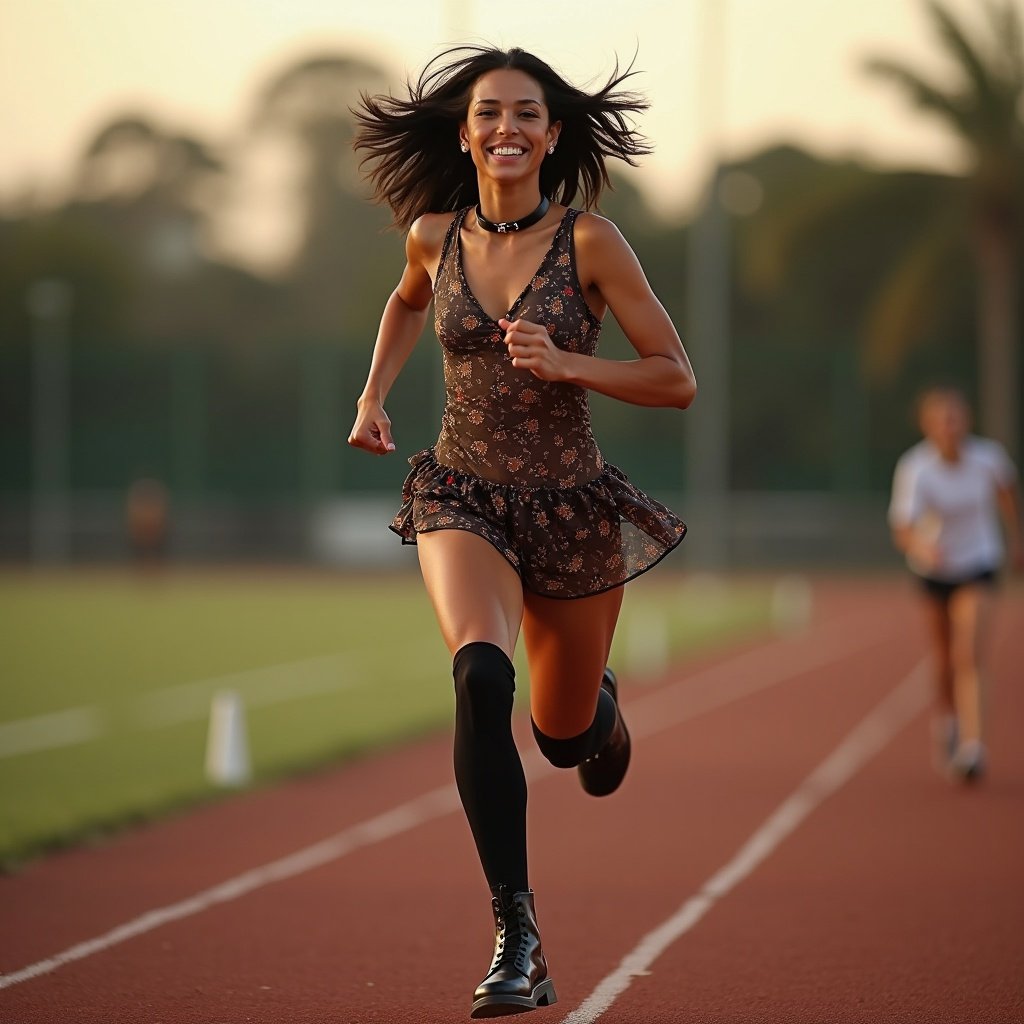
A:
[372,429]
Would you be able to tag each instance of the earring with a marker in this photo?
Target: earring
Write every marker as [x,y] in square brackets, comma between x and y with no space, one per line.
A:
[464,147]
[551,148]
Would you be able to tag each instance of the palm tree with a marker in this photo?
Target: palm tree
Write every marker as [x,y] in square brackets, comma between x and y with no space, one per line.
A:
[984,108]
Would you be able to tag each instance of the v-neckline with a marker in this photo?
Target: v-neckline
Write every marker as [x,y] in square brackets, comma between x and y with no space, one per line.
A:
[529,284]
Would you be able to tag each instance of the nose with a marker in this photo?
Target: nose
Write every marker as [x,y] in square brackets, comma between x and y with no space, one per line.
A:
[507,125]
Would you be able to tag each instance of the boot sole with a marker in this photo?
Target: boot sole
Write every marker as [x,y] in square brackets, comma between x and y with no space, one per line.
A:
[505,1006]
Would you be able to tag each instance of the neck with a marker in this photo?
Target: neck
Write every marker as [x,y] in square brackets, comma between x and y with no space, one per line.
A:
[500,204]
[513,226]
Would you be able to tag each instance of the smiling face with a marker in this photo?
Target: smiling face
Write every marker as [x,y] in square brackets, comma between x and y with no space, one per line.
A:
[507,127]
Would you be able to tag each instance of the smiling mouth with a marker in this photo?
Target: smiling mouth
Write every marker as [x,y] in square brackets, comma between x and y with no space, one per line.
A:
[507,150]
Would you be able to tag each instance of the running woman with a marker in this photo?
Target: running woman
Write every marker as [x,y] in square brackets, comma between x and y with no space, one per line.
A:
[520,524]
[947,496]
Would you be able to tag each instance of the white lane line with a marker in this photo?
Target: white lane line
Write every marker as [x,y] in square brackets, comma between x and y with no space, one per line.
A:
[741,676]
[866,740]
[46,732]
[434,804]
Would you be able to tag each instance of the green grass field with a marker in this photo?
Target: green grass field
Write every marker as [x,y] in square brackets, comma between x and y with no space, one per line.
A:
[108,678]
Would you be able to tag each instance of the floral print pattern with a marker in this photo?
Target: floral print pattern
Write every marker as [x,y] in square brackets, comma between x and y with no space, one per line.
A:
[516,461]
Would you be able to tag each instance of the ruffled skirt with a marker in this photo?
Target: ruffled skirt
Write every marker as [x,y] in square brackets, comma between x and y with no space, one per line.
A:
[563,541]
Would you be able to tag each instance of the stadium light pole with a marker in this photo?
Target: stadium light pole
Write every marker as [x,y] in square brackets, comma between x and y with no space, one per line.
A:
[708,327]
[49,305]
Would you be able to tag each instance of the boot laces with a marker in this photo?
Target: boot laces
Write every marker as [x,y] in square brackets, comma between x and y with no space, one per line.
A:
[511,949]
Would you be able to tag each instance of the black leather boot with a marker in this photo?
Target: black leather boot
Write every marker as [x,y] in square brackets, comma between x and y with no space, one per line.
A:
[603,773]
[518,978]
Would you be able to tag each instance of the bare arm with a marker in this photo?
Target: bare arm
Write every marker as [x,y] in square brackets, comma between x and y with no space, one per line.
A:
[924,553]
[903,538]
[662,376]
[905,510]
[401,325]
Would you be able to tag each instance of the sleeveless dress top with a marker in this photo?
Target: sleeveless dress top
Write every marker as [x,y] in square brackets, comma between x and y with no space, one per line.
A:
[516,462]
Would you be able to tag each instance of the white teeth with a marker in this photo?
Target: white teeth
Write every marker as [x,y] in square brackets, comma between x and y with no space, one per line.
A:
[507,151]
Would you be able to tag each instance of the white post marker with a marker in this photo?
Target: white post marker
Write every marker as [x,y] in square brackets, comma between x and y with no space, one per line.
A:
[792,604]
[227,746]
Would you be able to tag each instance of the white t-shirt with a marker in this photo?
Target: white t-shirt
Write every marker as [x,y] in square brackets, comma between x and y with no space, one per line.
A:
[953,504]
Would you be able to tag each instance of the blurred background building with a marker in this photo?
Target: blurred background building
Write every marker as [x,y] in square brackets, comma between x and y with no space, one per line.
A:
[191,274]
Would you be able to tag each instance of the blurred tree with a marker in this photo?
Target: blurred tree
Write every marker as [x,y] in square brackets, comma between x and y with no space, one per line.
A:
[155,192]
[815,243]
[131,157]
[73,249]
[984,108]
[827,236]
[345,263]
[152,187]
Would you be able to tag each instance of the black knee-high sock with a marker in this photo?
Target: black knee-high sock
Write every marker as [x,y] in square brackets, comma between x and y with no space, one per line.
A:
[567,753]
[488,771]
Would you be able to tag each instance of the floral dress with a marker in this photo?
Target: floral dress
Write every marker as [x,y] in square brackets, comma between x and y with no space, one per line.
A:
[516,462]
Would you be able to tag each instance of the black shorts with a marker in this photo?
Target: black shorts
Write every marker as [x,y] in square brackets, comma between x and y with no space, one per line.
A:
[943,590]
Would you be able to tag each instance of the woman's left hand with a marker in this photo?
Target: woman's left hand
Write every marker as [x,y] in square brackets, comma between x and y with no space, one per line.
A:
[531,348]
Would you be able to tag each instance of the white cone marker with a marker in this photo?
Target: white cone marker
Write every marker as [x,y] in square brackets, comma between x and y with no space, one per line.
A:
[227,746]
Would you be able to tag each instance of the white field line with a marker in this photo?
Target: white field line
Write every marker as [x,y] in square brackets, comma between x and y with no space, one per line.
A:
[332,673]
[437,803]
[268,684]
[866,740]
[46,732]
[185,702]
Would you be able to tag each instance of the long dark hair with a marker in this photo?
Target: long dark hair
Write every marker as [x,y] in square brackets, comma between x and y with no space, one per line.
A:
[412,145]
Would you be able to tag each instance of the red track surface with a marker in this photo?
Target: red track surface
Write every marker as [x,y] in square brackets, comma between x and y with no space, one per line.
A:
[899,898]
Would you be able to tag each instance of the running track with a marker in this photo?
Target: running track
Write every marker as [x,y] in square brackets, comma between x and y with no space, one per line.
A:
[781,851]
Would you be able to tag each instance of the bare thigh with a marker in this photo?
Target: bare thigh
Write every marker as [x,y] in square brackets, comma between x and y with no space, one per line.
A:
[970,609]
[567,645]
[476,594]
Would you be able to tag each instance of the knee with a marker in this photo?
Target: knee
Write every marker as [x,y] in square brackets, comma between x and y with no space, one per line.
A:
[562,753]
[485,681]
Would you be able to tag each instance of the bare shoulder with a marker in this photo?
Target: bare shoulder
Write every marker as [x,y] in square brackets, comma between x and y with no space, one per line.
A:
[426,236]
[601,248]
[592,229]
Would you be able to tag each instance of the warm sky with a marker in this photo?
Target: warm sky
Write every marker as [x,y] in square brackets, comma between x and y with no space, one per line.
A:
[784,69]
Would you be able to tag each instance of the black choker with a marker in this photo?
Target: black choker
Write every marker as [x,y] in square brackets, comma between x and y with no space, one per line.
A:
[504,226]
